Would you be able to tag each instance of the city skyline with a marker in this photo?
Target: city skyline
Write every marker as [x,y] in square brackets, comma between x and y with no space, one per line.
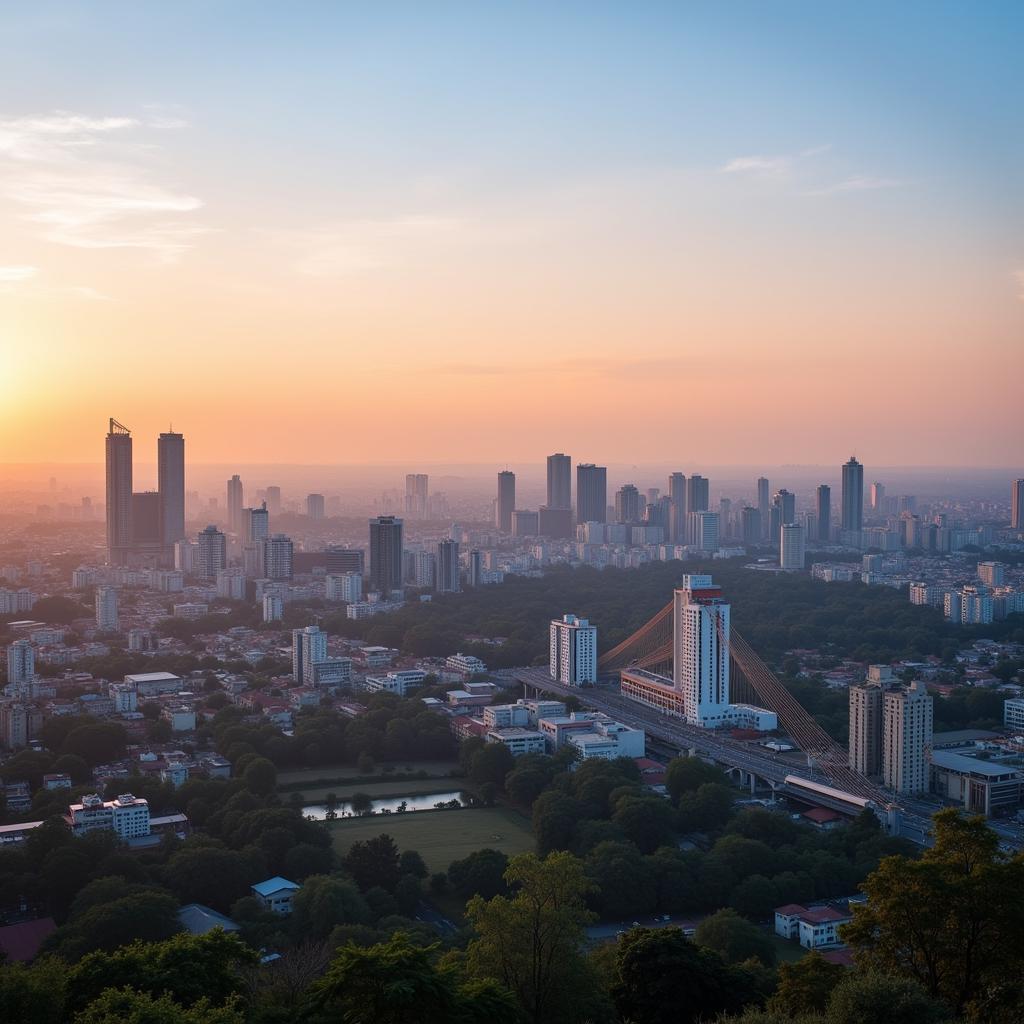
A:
[706,211]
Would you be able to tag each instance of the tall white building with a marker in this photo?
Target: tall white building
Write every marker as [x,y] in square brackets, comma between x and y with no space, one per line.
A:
[278,557]
[185,556]
[231,584]
[866,728]
[21,662]
[273,608]
[309,648]
[907,738]
[992,574]
[703,530]
[925,593]
[792,546]
[255,524]
[347,587]
[106,608]
[573,651]
[700,653]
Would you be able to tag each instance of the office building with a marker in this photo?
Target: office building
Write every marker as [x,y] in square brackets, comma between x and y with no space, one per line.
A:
[14,729]
[278,557]
[416,494]
[853,496]
[559,481]
[127,816]
[907,738]
[925,593]
[628,504]
[505,503]
[591,493]
[866,728]
[824,494]
[447,567]
[211,554]
[525,523]
[231,584]
[106,608]
[235,504]
[274,500]
[554,522]
[792,547]
[338,561]
[347,587]
[763,502]
[385,554]
[677,508]
[877,496]
[573,651]
[1017,505]
[315,506]
[273,608]
[185,555]
[255,524]
[782,511]
[697,494]
[309,648]
[750,525]
[700,655]
[476,568]
[21,662]
[992,574]
[704,530]
[145,522]
[119,492]
[170,461]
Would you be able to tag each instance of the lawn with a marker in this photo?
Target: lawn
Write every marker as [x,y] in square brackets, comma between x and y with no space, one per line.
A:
[378,790]
[441,836]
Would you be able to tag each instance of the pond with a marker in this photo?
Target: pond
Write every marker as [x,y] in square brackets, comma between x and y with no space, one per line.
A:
[388,805]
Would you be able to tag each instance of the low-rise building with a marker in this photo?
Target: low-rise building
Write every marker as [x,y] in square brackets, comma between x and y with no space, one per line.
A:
[276,894]
[814,927]
[518,740]
[127,816]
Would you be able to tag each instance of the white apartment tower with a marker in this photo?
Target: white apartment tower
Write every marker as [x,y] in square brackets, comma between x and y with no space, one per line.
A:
[700,651]
[866,728]
[309,648]
[573,651]
[21,662]
[792,547]
[906,738]
[106,608]
[347,587]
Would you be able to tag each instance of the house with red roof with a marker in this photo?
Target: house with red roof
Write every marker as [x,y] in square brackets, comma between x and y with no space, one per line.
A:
[814,927]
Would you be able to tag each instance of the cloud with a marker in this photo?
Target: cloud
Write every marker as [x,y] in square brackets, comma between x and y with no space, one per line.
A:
[763,165]
[14,274]
[801,167]
[857,183]
[83,182]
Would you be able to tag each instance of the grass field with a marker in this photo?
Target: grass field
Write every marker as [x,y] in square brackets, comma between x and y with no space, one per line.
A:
[378,790]
[337,774]
[442,836]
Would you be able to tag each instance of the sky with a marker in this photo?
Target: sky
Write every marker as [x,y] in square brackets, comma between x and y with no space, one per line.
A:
[349,233]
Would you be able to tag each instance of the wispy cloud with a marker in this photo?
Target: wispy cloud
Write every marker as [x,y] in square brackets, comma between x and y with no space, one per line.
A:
[84,182]
[778,166]
[856,183]
[14,274]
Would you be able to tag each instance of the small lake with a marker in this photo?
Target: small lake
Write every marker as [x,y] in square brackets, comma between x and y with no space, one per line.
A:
[387,805]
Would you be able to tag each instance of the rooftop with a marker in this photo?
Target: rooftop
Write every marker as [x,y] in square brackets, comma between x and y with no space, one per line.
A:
[275,884]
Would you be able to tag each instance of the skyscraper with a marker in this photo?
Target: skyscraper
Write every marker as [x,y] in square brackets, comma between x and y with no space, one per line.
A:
[877,496]
[750,519]
[385,554]
[782,511]
[21,662]
[506,501]
[1017,505]
[274,500]
[212,553]
[309,648]
[278,557]
[628,504]
[697,494]
[417,491]
[170,463]
[791,546]
[559,481]
[235,502]
[119,493]
[763,491]
[866,728]
[907,716]
[677,508]
[315,506]
[700,650]
[853,496]
[106,608]
[446,572]
[255,524]
[704,530]
[572,657]
[824,512]
[591,493]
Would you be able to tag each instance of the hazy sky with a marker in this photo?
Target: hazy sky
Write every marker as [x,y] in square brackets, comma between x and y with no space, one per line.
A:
[358,232]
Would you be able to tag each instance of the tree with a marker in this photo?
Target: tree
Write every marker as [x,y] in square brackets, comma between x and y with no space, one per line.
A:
[260,777]
[482,873]
[951,921]
[491,764]
[531,941]
[688,774]
[708,808]
[524,785]
[755,897]
[555,816]
[33,995]
[882,1000]
[734,938]
[805,986]
[374,862]
[396,982]
[126,1006]
[649,821]
[324,902]
[411,863]
[210,874]
[624,881]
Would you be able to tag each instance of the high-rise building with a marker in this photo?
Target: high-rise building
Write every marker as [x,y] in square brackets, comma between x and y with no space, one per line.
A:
[853,496]
[235,503]
[573,651]
[309,648]
[525,523]
[119,493]
[211,554]
[106,608]
[677,508]
[763,491]
[907,738]
[14,725]
[792,547]
[992,574]
[505,504]
[347,587]
[554,522]
[704,530]
[628,504]
[255,524]
[417,494]
[866,728]
[278,557]
[385,554]
[697,497]
[591,493]
[341,560]
[877,496]
[1017,505]
[476,568]
[273,608]
[21,662]
[170,463]
[785,502]
[824,512]
[750,520]
[559,481]
[185,555]
[315,506]
[421,568]
[145,521]
[447,568]
[700,650]
[274,500]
